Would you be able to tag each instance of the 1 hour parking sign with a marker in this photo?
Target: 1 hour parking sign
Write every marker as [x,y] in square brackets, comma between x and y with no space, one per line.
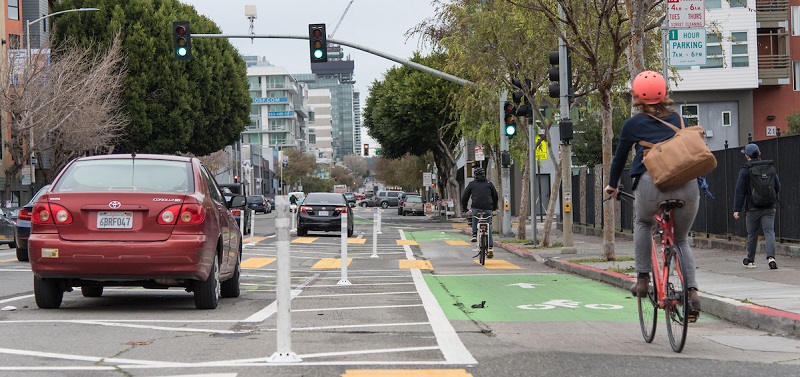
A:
[687,47]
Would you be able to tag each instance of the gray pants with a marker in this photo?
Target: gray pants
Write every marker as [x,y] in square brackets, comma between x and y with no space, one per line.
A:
[646,206]
[763,218]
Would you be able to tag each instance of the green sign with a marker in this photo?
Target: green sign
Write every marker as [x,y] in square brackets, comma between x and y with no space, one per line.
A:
[687,47]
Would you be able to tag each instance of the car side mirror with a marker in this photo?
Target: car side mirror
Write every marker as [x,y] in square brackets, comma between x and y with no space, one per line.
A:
[238,201]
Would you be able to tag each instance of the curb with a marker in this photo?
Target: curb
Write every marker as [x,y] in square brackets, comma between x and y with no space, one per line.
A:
[754,316]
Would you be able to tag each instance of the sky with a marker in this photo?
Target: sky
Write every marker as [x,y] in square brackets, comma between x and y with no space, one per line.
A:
[377,24]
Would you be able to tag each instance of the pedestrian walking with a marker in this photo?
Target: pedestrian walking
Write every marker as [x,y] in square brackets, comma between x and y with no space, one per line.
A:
[758,183]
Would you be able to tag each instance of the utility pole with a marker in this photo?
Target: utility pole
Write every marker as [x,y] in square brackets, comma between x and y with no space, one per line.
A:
[565,128]
[505,171]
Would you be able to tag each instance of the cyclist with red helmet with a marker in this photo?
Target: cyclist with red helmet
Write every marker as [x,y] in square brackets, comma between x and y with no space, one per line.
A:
[649,90]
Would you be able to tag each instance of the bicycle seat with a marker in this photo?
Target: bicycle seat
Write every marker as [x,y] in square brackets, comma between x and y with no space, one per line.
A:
[671,204]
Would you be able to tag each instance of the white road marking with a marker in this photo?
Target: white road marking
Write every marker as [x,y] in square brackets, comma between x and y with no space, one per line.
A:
[178,329]
[361,284]
[360,294]
[315,328]
[93,359]
[15,299]
[357,308]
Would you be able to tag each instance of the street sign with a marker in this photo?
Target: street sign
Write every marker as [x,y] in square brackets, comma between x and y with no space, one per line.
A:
[479,153]
[426,179]
[26,175]
[687,47]
[683,14]
[541,150]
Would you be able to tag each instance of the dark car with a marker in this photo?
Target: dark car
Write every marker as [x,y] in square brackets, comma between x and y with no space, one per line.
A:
[152,221]
[22,228]
[7,228]
[351,199]
[231,189]
[258,203]
[322,211]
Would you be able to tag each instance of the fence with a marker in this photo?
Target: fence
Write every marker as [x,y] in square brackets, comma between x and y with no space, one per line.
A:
[715,215]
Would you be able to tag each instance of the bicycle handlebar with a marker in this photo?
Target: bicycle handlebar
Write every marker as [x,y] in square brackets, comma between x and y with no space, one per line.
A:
[621,193]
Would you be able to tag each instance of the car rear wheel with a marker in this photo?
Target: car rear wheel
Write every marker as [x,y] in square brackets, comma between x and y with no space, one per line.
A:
[385,205]
[48,293]
[301,232]
[92,291]
[22,254]
[364,204]
[349,232]
[230,288]
[206,293]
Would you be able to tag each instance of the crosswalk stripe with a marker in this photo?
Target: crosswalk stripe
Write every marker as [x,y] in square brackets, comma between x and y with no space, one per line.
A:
[359,241]
[407,242]
[416,264]
[460,226]
[253,239]
[8,260]
[326,263]
[304,239]
[499,264]
[257,262]
[457,242]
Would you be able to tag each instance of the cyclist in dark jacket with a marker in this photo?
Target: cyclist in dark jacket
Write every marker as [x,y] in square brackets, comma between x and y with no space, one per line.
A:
[484,200]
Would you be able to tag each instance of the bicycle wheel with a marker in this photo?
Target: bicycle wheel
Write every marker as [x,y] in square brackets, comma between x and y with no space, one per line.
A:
[677,308]
[648,312]
[484,247]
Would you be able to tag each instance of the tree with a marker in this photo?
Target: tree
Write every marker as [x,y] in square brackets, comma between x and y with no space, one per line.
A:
[301,165]
[356,164]
[199,106]
[405,172]
[61,109]
[411,112]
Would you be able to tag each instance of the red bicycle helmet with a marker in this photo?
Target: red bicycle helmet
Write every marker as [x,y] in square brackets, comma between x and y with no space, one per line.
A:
[650,87]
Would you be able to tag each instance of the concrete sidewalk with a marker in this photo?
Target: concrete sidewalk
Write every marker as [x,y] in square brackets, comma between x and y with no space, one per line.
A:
[758,297]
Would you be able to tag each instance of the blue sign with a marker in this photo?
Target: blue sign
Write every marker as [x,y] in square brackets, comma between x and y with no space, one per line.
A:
[270,99]
[280,113]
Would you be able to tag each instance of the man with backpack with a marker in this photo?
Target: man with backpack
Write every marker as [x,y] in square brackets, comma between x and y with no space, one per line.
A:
[758,182]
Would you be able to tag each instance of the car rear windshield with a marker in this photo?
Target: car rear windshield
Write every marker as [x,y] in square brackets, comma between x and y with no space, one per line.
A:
[127,175]
[414,199]
[324,198]
[255,199]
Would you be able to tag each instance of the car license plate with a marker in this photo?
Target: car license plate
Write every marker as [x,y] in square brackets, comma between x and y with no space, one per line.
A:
[324,213]
[114,220]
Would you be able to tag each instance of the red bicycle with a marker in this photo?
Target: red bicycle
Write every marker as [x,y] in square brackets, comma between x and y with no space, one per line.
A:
[667,289]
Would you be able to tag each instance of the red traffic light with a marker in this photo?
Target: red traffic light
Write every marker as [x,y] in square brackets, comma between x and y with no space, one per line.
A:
[316,33]
[180,30]
[235,179]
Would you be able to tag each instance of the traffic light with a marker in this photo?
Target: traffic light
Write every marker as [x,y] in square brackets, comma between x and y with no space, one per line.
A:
[318,42]
[519,98]
[181,41]
[510,119]
[505,159]
[235,179]
[366,150]
[554,74]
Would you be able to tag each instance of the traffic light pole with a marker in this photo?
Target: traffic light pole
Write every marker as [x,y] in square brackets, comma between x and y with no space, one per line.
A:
[566,148]
[505,172]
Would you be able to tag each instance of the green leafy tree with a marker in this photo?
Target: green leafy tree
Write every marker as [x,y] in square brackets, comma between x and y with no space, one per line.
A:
[199,106]
[301,165]
[793,121]
[405,172]
[587,147]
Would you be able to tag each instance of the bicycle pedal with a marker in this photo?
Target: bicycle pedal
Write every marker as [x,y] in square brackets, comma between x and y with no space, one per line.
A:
[692,317]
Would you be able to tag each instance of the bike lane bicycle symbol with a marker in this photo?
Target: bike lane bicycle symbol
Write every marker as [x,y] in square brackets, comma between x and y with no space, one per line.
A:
[569,304]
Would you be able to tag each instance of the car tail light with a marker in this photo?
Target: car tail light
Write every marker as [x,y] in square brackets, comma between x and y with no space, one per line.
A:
[47,213]
[306,209]
[183,214]
[236,212]
[24,214]
[341,209]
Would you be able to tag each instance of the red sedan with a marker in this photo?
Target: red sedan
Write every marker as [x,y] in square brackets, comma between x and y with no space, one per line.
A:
[152,221]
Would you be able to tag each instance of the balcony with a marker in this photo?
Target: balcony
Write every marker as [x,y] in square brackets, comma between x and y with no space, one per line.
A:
[774,69]
[772,13]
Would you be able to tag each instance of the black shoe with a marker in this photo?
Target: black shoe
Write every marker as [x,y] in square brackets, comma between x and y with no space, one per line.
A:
[490,253]
[772,264]
[748,263]
[474,238]
[694,305]
[641,287]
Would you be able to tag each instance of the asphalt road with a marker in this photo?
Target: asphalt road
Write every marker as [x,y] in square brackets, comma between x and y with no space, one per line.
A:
[417,302]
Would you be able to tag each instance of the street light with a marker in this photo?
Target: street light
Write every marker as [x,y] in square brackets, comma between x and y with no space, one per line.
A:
[29,23]
[28,55]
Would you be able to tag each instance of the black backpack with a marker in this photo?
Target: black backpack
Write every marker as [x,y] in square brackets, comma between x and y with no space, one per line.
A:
[762,183]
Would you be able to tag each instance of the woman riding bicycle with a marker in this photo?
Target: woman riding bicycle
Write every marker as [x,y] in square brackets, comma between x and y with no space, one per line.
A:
[649,92]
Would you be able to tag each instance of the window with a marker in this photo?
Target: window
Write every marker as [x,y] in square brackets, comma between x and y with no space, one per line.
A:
[739,57]
[277,124]
[713,4]
[13,10]
[726,119]
[796,75]
[795,20]
[279,139]
[738,3]
[714,57]
[312,138]
[14,41]
[690,113]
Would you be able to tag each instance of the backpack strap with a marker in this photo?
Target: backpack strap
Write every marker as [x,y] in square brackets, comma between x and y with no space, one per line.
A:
[676,129]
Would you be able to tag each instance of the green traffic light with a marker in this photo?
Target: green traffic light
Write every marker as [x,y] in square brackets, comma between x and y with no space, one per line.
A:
[181,51]
[318,54]
[511,130]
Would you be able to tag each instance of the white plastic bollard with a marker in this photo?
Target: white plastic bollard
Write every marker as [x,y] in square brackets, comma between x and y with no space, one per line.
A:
[252,228]
[343,280]
[293,215]
[241,227]
[374,236]
[380,211]
[283,287]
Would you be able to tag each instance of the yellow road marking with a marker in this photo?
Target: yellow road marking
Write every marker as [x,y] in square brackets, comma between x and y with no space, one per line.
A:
[257,262]
[408,264]
[457,242]
[408,242]
[253,239]
[330,263]
[8,260]
[461,226]
[304,239]
[359,241]
[499,264]
[406,373]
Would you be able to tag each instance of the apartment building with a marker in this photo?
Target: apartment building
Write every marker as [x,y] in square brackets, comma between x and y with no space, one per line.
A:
[320,130]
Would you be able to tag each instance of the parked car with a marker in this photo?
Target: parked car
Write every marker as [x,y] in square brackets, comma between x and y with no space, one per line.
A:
[322,211]
[22,228]
[153,221]
[413,204]
[258,203]
[400,200]
[7,228]
[388,198]
[369,202]
[231,189]
[351,199]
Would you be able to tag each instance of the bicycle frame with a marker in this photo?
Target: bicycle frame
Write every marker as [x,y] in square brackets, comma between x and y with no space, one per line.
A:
[483,235]
[661,254]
